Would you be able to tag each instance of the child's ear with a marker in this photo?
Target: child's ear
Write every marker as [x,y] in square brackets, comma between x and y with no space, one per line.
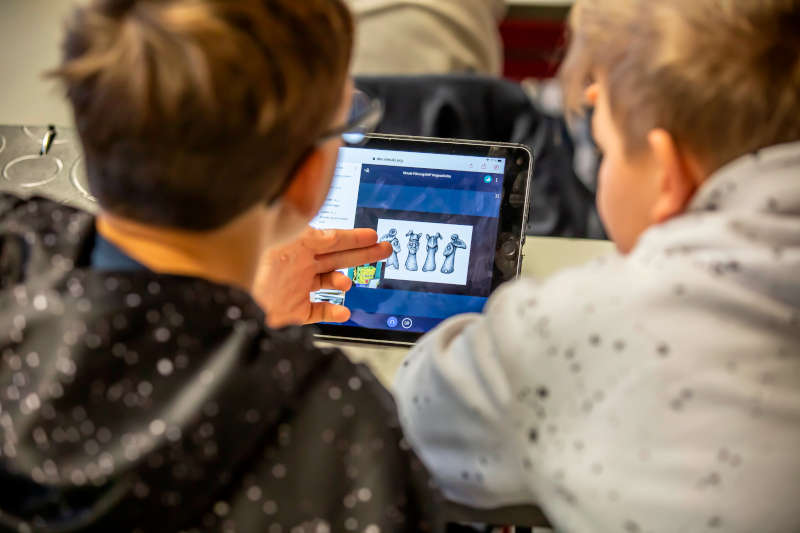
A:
[592,93]
[310,183]
[678,176]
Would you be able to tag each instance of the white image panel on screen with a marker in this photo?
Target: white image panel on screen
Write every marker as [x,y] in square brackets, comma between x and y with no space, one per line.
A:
[413,236]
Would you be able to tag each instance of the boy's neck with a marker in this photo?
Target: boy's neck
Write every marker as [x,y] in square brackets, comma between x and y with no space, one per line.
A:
[227,255]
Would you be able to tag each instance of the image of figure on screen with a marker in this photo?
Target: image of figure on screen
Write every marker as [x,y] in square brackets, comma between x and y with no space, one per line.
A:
[450,254]
[433,247]
[366,276]
[443,264]
[413,248]
[391,237]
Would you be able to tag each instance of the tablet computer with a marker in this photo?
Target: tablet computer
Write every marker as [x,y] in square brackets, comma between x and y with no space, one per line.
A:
[455,213]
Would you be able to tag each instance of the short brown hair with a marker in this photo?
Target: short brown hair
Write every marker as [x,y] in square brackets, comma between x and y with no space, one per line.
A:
[193,111]
[723,76]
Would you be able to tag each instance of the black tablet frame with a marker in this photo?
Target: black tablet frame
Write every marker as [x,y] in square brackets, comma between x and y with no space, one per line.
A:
[514,212]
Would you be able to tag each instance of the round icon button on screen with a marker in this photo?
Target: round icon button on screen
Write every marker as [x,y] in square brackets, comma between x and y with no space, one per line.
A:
[487,179]
[391,322]
[407,323]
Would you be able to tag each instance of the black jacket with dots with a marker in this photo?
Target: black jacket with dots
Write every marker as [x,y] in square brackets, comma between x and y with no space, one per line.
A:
[136,401]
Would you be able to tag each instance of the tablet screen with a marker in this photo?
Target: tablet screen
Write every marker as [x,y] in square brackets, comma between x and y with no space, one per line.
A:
[441,214]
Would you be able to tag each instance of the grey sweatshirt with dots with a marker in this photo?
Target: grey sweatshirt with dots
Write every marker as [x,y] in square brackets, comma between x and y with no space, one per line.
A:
[654,392]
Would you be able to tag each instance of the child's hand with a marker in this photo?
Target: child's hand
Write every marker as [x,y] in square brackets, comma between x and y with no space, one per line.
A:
[288,274]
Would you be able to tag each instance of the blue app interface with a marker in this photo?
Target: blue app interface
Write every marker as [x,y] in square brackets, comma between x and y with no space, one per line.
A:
[439,212]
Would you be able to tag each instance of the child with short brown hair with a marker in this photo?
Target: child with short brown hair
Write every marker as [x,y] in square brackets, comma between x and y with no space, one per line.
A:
[659,389]
[140,388]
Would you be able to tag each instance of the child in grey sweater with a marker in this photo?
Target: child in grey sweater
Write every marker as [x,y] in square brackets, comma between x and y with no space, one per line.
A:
[657,389]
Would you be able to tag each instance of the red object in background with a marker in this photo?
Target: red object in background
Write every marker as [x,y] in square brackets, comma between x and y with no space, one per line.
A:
[533,48]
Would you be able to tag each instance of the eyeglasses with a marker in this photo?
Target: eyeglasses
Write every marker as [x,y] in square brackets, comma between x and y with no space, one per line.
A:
[365,115]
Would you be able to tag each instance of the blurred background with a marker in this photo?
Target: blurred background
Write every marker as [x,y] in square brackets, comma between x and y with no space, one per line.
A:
[472,69]
[515,39]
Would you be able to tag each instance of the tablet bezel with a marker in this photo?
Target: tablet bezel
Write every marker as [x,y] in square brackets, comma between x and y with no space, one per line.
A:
[514,212]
